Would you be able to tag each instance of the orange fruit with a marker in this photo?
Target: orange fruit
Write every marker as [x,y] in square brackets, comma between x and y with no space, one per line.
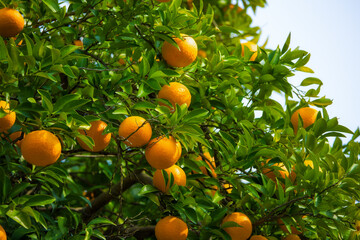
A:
[138,129]
[285,230]
[309,163]
[182,57]
[96,133]
[202,53]
[2,233]
[163,152]
[176,171]
[210,164]
[239,233]
[8,120]
[231,7]
[212,190]
[252,47]
[175,93]
[41,148]
[292,237]
[189,4]
[79,43]
[16,135]
[171,228]
[228,187]
[11,22]
[308,115]
[258,237]
[274,173]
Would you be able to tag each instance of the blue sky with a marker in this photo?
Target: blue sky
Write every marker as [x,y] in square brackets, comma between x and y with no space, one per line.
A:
[330,31]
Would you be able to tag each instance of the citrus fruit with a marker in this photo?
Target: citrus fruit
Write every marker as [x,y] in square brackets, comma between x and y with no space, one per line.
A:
[202,53]
[171,228]
[175,93]
[280,173]
[15,135]
[285,230]
[258,237]
[178,174]
[79,43]
[135,131]
[252,47]
[163,152]
[308,116]
[11,22]
[41,148]
[292,237]
[182,57]
[231,7]
[228,187]
[8,120]
[2,233]
[210,162]
[239,233]
[96,133]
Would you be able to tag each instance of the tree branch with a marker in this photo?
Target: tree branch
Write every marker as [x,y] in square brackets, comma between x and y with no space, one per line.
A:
[106,197]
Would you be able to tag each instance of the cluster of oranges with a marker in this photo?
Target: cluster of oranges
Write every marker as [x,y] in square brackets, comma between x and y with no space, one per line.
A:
[42,148]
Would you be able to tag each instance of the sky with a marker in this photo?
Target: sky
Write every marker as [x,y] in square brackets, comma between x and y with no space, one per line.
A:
[330,31]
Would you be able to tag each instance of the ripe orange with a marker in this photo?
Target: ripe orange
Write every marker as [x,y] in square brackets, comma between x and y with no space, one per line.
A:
[96,133]
[182,57]
[308,115]
[138,129]
[258,237]
[163,152]
[273,173]
[202,53]
[176,93]
[285,230]
[2,233]
[292,237]
[239,233]
[79,43]
[176,171]
[231,7]
[41,148]
[210,164]
[11,22]
[252,47]
[171,227]
[228,187]
[8,120]
[16,135]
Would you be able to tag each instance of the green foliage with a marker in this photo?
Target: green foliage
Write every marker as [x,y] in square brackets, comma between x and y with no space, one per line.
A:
[54,85]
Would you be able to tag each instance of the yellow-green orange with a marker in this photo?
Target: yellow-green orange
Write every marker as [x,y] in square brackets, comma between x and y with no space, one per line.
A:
[41,148]
[252,47]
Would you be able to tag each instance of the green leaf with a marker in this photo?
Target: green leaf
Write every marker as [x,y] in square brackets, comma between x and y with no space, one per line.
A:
[142,106]
[20,217]
[286,44]
[46,100]
[63,100]
[40,200]
[121,110]
[305,69]
[311,80]
[67,50]
[322,102]
[101,220]
[53,5]
[147,189]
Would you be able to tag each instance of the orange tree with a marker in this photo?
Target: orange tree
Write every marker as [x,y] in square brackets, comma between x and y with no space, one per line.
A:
[77,69]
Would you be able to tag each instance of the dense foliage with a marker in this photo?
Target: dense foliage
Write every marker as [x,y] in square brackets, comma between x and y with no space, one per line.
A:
[53,84]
